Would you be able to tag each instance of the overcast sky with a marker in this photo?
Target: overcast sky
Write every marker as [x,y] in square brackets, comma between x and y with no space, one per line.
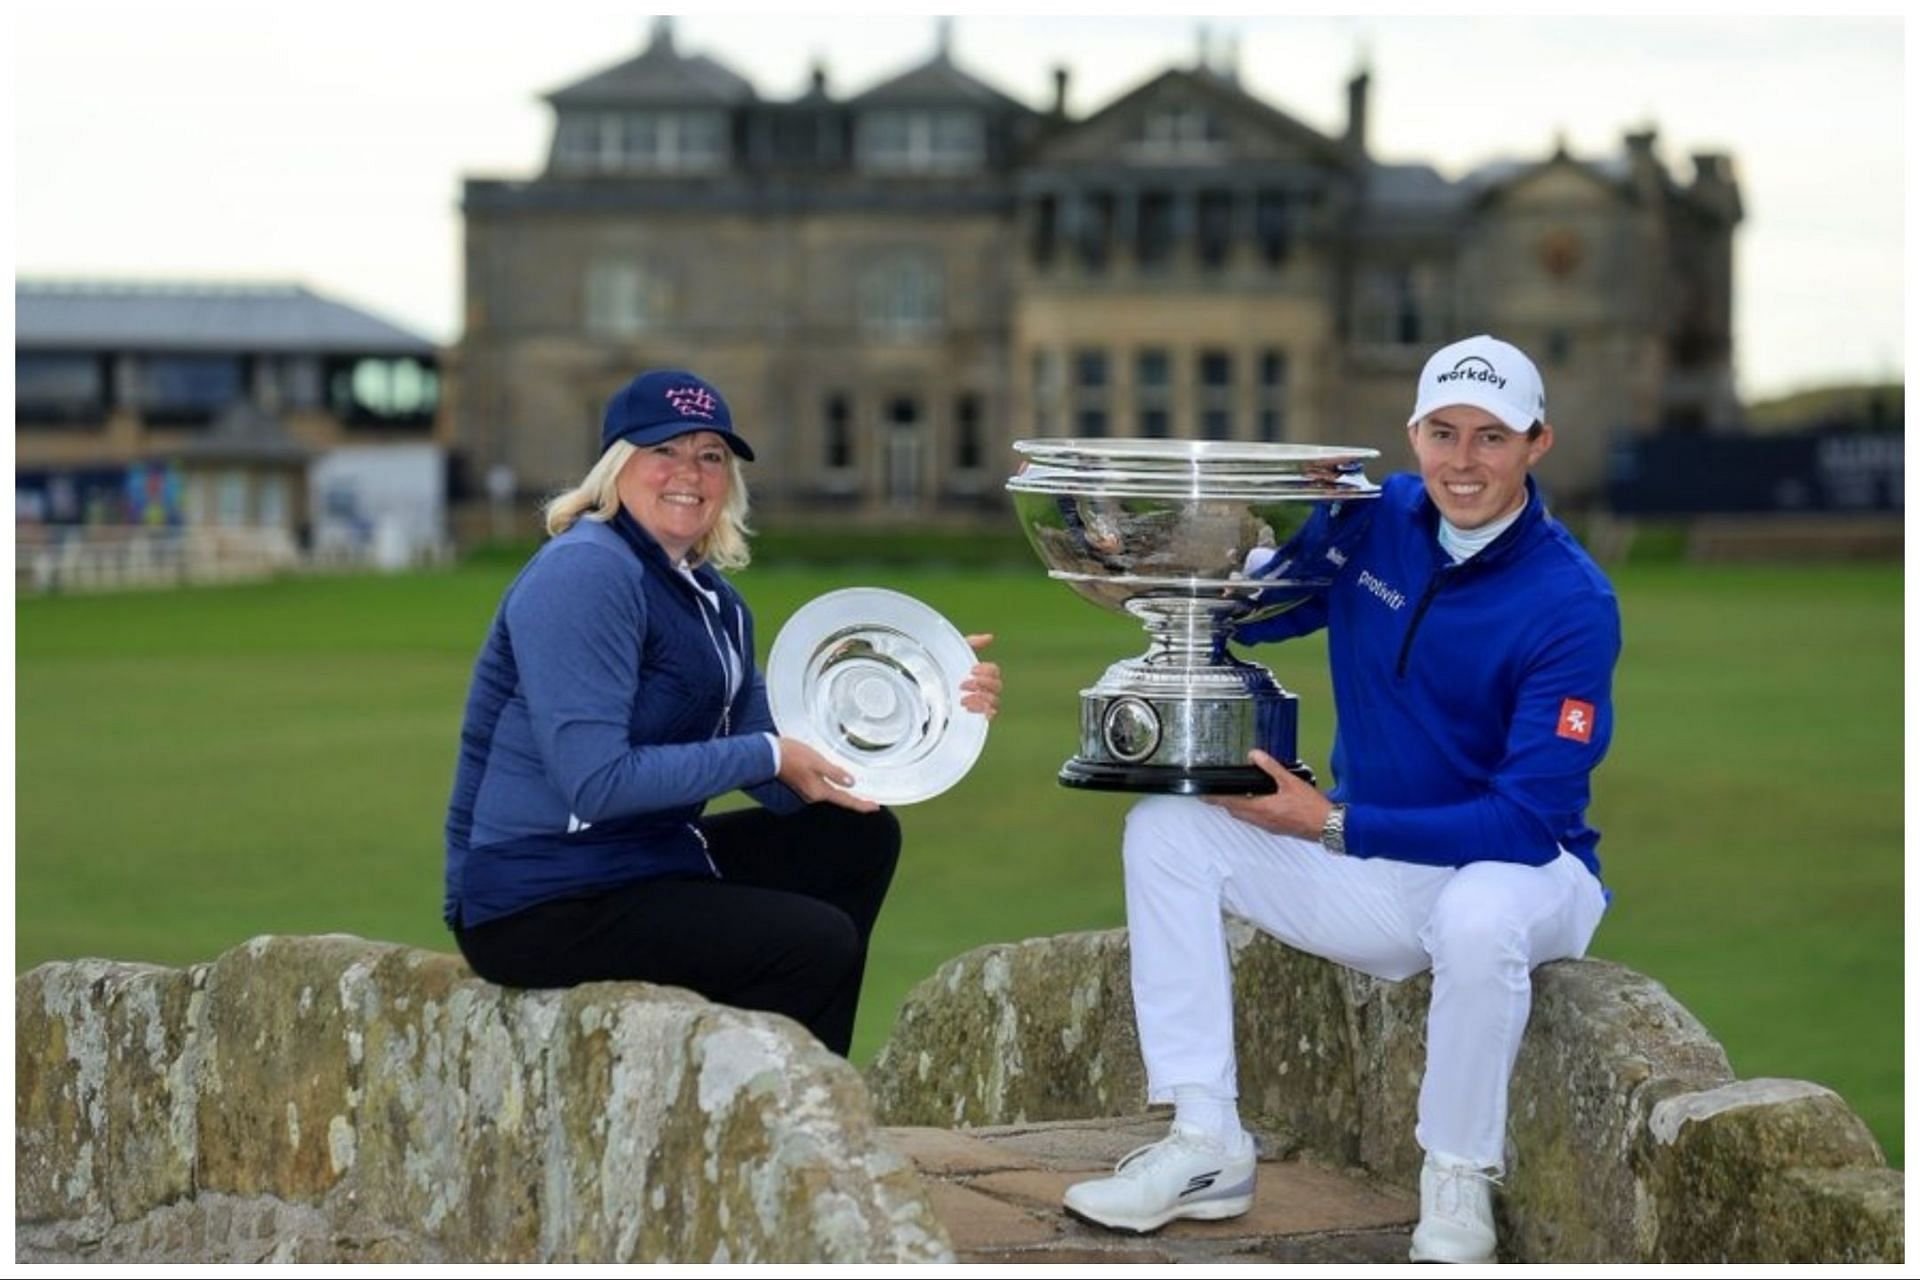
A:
[326,143]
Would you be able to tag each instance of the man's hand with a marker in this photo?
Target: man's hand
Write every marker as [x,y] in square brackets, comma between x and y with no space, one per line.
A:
[1294,809]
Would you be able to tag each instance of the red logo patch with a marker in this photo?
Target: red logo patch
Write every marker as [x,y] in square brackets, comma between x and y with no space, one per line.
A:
[1576,720]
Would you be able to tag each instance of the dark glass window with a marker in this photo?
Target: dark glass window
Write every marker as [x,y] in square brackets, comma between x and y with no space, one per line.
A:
[53,389]
[1216,227]
[189,391]
[1273,395]
[838,435]
[1046,229]
[1216,395]
[1095,232]
[1153,392]
[969,449]
[1154,239]
[1090,393]
[1270,226]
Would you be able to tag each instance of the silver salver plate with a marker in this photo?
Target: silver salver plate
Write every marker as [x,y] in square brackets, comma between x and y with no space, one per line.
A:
[871,679]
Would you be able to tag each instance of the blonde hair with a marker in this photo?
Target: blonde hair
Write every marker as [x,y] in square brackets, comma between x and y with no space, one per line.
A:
[597,497]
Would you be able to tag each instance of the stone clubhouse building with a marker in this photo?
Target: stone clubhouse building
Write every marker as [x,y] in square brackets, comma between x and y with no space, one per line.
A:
[891,287]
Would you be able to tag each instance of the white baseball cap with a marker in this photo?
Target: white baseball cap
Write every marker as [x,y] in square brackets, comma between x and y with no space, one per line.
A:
[1487,373]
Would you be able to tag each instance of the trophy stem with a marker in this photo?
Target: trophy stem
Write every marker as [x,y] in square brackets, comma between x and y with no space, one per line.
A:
[1185,632]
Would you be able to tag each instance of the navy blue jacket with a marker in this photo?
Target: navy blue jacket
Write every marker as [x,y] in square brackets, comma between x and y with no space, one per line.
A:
[1474,699]
[598,726]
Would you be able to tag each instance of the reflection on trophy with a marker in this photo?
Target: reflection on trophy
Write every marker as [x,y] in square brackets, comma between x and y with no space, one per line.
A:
[1162,530]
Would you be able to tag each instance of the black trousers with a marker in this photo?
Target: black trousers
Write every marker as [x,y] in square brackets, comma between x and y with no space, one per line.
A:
[784,929]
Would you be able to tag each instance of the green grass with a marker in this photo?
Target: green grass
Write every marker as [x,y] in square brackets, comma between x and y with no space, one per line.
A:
[201,766]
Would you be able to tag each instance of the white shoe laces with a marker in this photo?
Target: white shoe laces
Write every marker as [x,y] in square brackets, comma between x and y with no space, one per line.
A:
[1450,1187]
[1142,1160]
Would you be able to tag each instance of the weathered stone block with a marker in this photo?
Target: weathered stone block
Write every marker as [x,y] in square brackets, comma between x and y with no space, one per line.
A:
[152,1089]
[281,1074]
[1603,1046]
[1005,1034]
[1717,1161]
[60,1064]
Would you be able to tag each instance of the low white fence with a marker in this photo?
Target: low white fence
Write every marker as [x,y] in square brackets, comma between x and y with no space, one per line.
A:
[118,557]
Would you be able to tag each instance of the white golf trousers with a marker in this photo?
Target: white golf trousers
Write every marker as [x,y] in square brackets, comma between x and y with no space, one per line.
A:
[1481,928]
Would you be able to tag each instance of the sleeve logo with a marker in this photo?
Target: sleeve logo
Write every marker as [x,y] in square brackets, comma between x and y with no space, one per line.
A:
[1576,720]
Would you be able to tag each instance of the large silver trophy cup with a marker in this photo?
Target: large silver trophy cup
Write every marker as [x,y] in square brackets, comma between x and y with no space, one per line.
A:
[1163,530]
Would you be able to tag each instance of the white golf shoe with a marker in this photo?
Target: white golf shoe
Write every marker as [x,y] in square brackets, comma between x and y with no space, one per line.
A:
[1187,1174]
[1456,1212]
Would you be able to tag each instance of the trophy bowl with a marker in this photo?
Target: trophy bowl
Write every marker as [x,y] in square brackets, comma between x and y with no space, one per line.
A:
[1163,530]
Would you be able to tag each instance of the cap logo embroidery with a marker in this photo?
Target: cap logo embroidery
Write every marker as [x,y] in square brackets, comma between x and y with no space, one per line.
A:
[696,402]
[1576,720]
[1472,369]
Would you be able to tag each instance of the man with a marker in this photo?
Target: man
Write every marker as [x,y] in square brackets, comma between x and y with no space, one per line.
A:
[1472,645]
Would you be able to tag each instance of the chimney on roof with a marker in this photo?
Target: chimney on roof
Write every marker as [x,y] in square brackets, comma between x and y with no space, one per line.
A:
[1060,91]
[943,39]
[1201,40]
[819,78]
[1642,166]
[662,38]
[1356,140]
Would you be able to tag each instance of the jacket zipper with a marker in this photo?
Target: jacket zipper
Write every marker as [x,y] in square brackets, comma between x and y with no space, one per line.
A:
[1413,625]
[706,850]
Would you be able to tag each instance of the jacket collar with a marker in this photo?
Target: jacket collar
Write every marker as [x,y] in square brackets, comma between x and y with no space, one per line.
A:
[1514,535]
[652,553]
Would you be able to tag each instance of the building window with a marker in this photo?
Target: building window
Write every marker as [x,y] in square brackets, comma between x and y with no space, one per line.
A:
[189,391]
[1216,395]
[1400,307]
[54,390]
[1182,133]
[1046,229]
[1094,232]
[1090,393]
[673,141]
[903,451]
[1153,241]
[1273,395]
[374,391]
[1216,228]
[1153,393]
[623,298]
[641,142]
[1049,389]
[903,296]
[1270,226]
[969,445]
[837,434]
[232,509]
[921,141]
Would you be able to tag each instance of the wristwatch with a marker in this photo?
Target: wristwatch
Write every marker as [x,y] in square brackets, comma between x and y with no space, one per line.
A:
[1333,832]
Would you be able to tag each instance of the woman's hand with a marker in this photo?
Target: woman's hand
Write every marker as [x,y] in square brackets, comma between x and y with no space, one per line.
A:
[817,778]
[980,691]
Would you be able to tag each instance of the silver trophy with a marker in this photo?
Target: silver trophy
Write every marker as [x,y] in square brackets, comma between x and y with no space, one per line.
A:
[1163,530]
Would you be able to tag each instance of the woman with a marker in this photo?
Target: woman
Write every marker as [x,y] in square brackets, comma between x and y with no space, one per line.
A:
[616,694]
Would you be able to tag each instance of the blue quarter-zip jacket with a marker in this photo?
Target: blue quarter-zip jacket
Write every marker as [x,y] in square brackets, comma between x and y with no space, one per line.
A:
[1475,699]
[598,725]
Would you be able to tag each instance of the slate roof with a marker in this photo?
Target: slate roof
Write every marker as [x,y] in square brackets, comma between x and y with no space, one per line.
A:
[938,81]
[660,76]
[200,317]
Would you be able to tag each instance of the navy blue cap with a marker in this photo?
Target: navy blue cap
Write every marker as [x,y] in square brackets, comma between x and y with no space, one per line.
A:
[663,403]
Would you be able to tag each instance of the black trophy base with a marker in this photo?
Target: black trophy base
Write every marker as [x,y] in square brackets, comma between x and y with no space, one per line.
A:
[1220,780]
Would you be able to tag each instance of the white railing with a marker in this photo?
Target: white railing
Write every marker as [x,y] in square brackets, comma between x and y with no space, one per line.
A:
[116,557]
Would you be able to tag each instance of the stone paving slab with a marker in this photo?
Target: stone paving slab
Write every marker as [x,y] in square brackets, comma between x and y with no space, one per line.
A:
[997,1191]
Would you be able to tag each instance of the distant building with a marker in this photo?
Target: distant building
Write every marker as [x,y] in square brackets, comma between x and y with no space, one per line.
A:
[202,405]
[892,287]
